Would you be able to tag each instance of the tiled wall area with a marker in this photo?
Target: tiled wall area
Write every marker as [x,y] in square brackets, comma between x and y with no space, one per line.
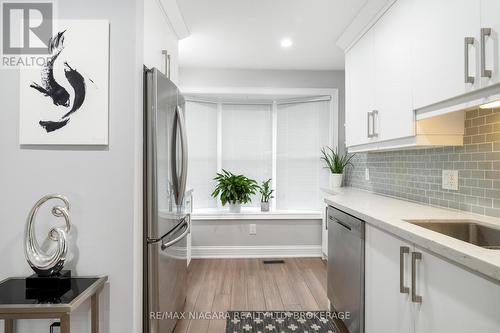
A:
[416,174]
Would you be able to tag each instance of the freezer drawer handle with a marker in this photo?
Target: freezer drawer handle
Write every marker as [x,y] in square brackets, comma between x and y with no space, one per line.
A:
[187,225]
[414,257]
[402,251]
[174,229]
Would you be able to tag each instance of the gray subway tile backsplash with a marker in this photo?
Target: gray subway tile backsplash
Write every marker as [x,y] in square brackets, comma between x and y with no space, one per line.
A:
[416,174]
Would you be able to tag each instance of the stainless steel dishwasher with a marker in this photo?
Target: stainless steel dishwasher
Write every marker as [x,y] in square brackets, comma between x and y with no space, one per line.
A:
[346,268]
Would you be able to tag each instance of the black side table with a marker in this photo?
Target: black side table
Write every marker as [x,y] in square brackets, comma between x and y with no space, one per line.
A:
[15,305]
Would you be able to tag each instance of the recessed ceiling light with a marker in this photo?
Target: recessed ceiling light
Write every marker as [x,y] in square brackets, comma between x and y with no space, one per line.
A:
[491,105]
[286,42]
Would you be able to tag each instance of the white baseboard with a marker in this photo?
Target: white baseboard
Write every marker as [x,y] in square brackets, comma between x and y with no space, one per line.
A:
[256,251]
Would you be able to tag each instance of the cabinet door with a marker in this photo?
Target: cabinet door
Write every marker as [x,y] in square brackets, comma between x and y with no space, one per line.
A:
[393,92]
[439,29]
[490,18]
[454,299]
[386,308]
[359,65]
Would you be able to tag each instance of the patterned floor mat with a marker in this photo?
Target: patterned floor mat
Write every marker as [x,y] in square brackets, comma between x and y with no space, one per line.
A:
[280,322]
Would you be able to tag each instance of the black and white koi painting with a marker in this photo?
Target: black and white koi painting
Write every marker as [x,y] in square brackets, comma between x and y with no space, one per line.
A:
[64,99]
[49,87]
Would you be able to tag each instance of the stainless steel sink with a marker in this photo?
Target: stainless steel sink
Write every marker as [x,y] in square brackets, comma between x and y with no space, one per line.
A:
[465,230]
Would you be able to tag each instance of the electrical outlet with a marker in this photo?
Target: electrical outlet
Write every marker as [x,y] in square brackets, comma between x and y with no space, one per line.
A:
[367,174]
[450,180]
[253,229]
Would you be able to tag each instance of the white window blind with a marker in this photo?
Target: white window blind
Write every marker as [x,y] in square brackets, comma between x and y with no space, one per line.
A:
[302,130]
[247,141]
[201,123]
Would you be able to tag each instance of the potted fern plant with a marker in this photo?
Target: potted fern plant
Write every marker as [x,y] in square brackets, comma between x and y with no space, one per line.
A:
[336,163]
[266,194]
[234,190]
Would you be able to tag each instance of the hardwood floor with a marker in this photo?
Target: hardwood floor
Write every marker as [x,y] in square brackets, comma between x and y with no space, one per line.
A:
[218,285]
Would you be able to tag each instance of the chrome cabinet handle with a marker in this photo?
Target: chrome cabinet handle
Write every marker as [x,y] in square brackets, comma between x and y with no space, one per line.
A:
[414,257]
[402,251]
[485,32]
[374,116]
[168,66]
[167,63]
[467,78]
[326,218]
[368,128]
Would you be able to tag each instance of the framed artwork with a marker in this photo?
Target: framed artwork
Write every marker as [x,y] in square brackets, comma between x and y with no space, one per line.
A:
[65,101]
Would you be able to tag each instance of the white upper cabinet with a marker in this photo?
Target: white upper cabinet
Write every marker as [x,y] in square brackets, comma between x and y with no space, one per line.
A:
[490,19]
[359,90]
[393,87]
[440,64]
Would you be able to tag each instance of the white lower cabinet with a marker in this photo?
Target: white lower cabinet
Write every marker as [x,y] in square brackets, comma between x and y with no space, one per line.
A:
[453,300]
[387,309]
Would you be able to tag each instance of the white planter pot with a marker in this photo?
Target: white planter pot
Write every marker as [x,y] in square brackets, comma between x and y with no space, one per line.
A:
[336,180]
[264,206]
[235,208]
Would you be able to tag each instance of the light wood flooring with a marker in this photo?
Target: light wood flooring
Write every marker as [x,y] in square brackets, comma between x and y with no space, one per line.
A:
[216,285]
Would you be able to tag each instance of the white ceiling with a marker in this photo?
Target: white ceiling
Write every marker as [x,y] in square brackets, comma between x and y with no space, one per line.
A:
[247,33]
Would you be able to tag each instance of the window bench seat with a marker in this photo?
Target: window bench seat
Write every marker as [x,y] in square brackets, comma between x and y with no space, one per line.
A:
[254,213]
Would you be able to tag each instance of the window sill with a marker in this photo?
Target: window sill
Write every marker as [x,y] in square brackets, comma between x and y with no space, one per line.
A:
[250,213]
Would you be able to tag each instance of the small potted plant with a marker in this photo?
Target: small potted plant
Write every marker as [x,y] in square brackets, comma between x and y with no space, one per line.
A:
[266,194]
[234,189]
[336,163]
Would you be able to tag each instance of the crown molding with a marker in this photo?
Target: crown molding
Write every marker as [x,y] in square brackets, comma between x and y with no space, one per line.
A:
[364,20]
[175,18]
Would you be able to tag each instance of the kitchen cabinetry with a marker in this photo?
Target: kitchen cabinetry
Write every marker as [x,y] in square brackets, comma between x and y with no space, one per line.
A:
[378,81]
[359,89]
[439,66]
[387,309]
[420,59]
[452,298]
[392,84]
[490,18]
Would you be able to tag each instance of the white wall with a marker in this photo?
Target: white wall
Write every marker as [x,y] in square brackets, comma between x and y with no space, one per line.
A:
[213,236]
[219,77]
[159,36]
[101,183]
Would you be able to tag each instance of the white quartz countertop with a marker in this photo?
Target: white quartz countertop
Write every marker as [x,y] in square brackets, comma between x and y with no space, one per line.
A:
[389,214]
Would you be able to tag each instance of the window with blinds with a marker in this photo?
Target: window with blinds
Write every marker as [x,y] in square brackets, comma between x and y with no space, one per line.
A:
[201,123]
[239,138]
[247,142]
[302,130]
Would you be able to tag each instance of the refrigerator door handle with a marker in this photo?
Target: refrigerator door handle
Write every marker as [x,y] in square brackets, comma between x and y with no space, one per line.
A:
[187,225]
[184,144]
[179,182]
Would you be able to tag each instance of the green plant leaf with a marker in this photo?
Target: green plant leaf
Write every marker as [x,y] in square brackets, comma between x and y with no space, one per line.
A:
[334,161]
[233,188]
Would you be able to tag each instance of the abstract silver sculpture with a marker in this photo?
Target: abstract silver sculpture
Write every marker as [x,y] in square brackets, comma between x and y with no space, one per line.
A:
[51,263]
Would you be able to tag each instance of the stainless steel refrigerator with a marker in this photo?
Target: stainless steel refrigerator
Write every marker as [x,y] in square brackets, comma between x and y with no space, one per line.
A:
[166,221]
